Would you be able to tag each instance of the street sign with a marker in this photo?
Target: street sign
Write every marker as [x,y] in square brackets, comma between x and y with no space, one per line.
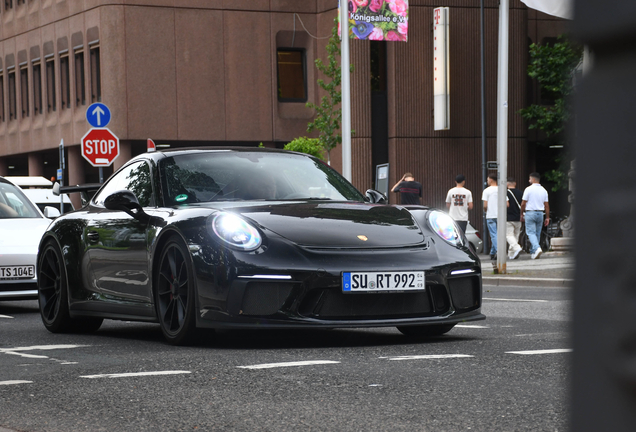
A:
[59,174]
[100,147]
[492,165]
[98,115]
[151,145]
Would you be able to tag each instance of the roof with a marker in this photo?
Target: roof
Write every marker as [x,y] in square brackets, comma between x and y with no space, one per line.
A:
[30,181]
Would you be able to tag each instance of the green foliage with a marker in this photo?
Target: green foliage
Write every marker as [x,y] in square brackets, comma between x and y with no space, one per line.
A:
[552,65]
[329,112]
[310,146]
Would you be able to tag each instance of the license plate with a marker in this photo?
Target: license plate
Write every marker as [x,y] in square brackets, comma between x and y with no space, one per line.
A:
[17,272]
[382,281]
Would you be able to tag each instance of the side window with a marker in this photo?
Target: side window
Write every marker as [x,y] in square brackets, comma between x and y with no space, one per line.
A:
[136,178]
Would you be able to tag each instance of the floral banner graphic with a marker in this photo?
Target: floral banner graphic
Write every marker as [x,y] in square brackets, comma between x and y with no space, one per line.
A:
[378,20]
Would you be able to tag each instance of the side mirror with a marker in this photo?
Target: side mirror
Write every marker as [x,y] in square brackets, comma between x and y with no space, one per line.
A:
[126,201]
[56,189]
[51,212]
[123,200]
[375,197]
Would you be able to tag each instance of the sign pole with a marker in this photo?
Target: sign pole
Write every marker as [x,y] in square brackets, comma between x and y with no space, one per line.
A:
[502,135]
[345,88]
[62,176]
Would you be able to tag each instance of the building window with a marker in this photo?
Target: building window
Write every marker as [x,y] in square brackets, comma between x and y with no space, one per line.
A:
[65,81]
[1,97]
[8,4]
[96,78]
[80,86]
[24,89]
[13,108]
[51,103]
[292,77]
[37,88]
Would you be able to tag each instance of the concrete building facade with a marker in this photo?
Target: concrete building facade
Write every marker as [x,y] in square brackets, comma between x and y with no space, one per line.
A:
[214,72]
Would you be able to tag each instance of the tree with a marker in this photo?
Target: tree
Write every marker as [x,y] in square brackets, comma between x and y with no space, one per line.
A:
[310,146]
[553,66]
[329,112]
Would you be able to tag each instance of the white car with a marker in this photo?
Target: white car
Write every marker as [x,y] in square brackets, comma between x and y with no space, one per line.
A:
[474,238]
[21,227]
[40,191]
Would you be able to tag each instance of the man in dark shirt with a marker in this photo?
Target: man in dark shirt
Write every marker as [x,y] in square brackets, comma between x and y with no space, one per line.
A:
[410,190]
[513,224]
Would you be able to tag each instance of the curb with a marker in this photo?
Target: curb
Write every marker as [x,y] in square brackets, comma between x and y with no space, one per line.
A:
[524,282]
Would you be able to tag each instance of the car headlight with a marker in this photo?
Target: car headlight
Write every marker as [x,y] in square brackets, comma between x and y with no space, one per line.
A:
[445,227]
[236,232]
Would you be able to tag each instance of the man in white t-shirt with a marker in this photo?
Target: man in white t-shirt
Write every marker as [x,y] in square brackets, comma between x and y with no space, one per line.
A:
[458,201]
[533,206]
[489,198]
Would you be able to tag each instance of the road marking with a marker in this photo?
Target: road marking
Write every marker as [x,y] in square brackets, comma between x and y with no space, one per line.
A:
[135,374]
[6,316]
[549,351]
[288,364]
[428,357]
[471,326]
[15,382]
[540,334]
[515,300]
[20,350]
[25,355]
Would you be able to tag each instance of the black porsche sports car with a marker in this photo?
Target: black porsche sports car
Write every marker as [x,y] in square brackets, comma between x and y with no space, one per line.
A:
[251,238]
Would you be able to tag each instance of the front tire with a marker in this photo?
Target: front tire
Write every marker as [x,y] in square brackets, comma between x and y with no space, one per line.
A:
[175,293]
[425,331]
[53,295]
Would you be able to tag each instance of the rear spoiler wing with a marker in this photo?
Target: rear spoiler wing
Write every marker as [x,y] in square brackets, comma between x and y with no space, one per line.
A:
[86,190]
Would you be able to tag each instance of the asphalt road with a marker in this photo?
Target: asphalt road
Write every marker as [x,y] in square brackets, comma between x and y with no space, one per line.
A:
[508,373]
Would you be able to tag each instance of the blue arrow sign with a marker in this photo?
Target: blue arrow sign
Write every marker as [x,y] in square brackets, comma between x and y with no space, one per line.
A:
[98,115]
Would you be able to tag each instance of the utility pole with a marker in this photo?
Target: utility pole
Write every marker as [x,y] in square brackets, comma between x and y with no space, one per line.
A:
[345,88]
[502,134]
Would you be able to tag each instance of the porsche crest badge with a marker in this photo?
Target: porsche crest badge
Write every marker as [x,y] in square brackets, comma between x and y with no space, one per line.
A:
[363,237]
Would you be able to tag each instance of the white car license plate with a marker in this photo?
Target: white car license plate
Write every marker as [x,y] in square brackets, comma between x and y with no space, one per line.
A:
[382,281]
[17,272]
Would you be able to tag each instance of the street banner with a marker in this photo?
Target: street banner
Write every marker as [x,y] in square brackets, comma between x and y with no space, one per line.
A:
[441,69]
[560,8]
[378,20]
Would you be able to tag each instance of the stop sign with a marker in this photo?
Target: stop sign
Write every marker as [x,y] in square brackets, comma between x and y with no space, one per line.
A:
[100,147]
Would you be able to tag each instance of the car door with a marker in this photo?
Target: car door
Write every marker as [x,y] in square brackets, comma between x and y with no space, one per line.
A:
[117,245]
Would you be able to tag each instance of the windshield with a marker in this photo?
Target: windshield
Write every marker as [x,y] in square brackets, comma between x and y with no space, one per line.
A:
[241,176]
[14,204]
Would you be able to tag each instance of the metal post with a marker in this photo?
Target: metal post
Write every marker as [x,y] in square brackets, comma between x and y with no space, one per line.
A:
[484,171]
[502,134]
[62,163]
[101,174]
[345,88]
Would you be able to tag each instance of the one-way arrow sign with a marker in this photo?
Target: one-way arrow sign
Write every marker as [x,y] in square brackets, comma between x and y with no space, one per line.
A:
[98,115]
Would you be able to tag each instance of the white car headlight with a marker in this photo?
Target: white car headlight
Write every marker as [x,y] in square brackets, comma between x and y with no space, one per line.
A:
[445,227]
[236,232]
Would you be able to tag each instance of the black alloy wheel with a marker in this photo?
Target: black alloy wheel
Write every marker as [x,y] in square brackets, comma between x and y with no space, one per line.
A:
[174,293]
[424,331]
[53,295]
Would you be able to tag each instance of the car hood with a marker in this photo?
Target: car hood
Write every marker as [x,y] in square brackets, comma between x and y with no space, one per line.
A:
[339,225]
[22,232]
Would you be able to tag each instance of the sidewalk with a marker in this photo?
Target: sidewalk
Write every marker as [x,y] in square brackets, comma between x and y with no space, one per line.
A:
[552,269]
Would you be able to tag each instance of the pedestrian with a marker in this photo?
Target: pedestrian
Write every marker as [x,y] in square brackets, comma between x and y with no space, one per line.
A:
[410,190]
[458,201]
[513,224]
[533,206]
[489,198]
